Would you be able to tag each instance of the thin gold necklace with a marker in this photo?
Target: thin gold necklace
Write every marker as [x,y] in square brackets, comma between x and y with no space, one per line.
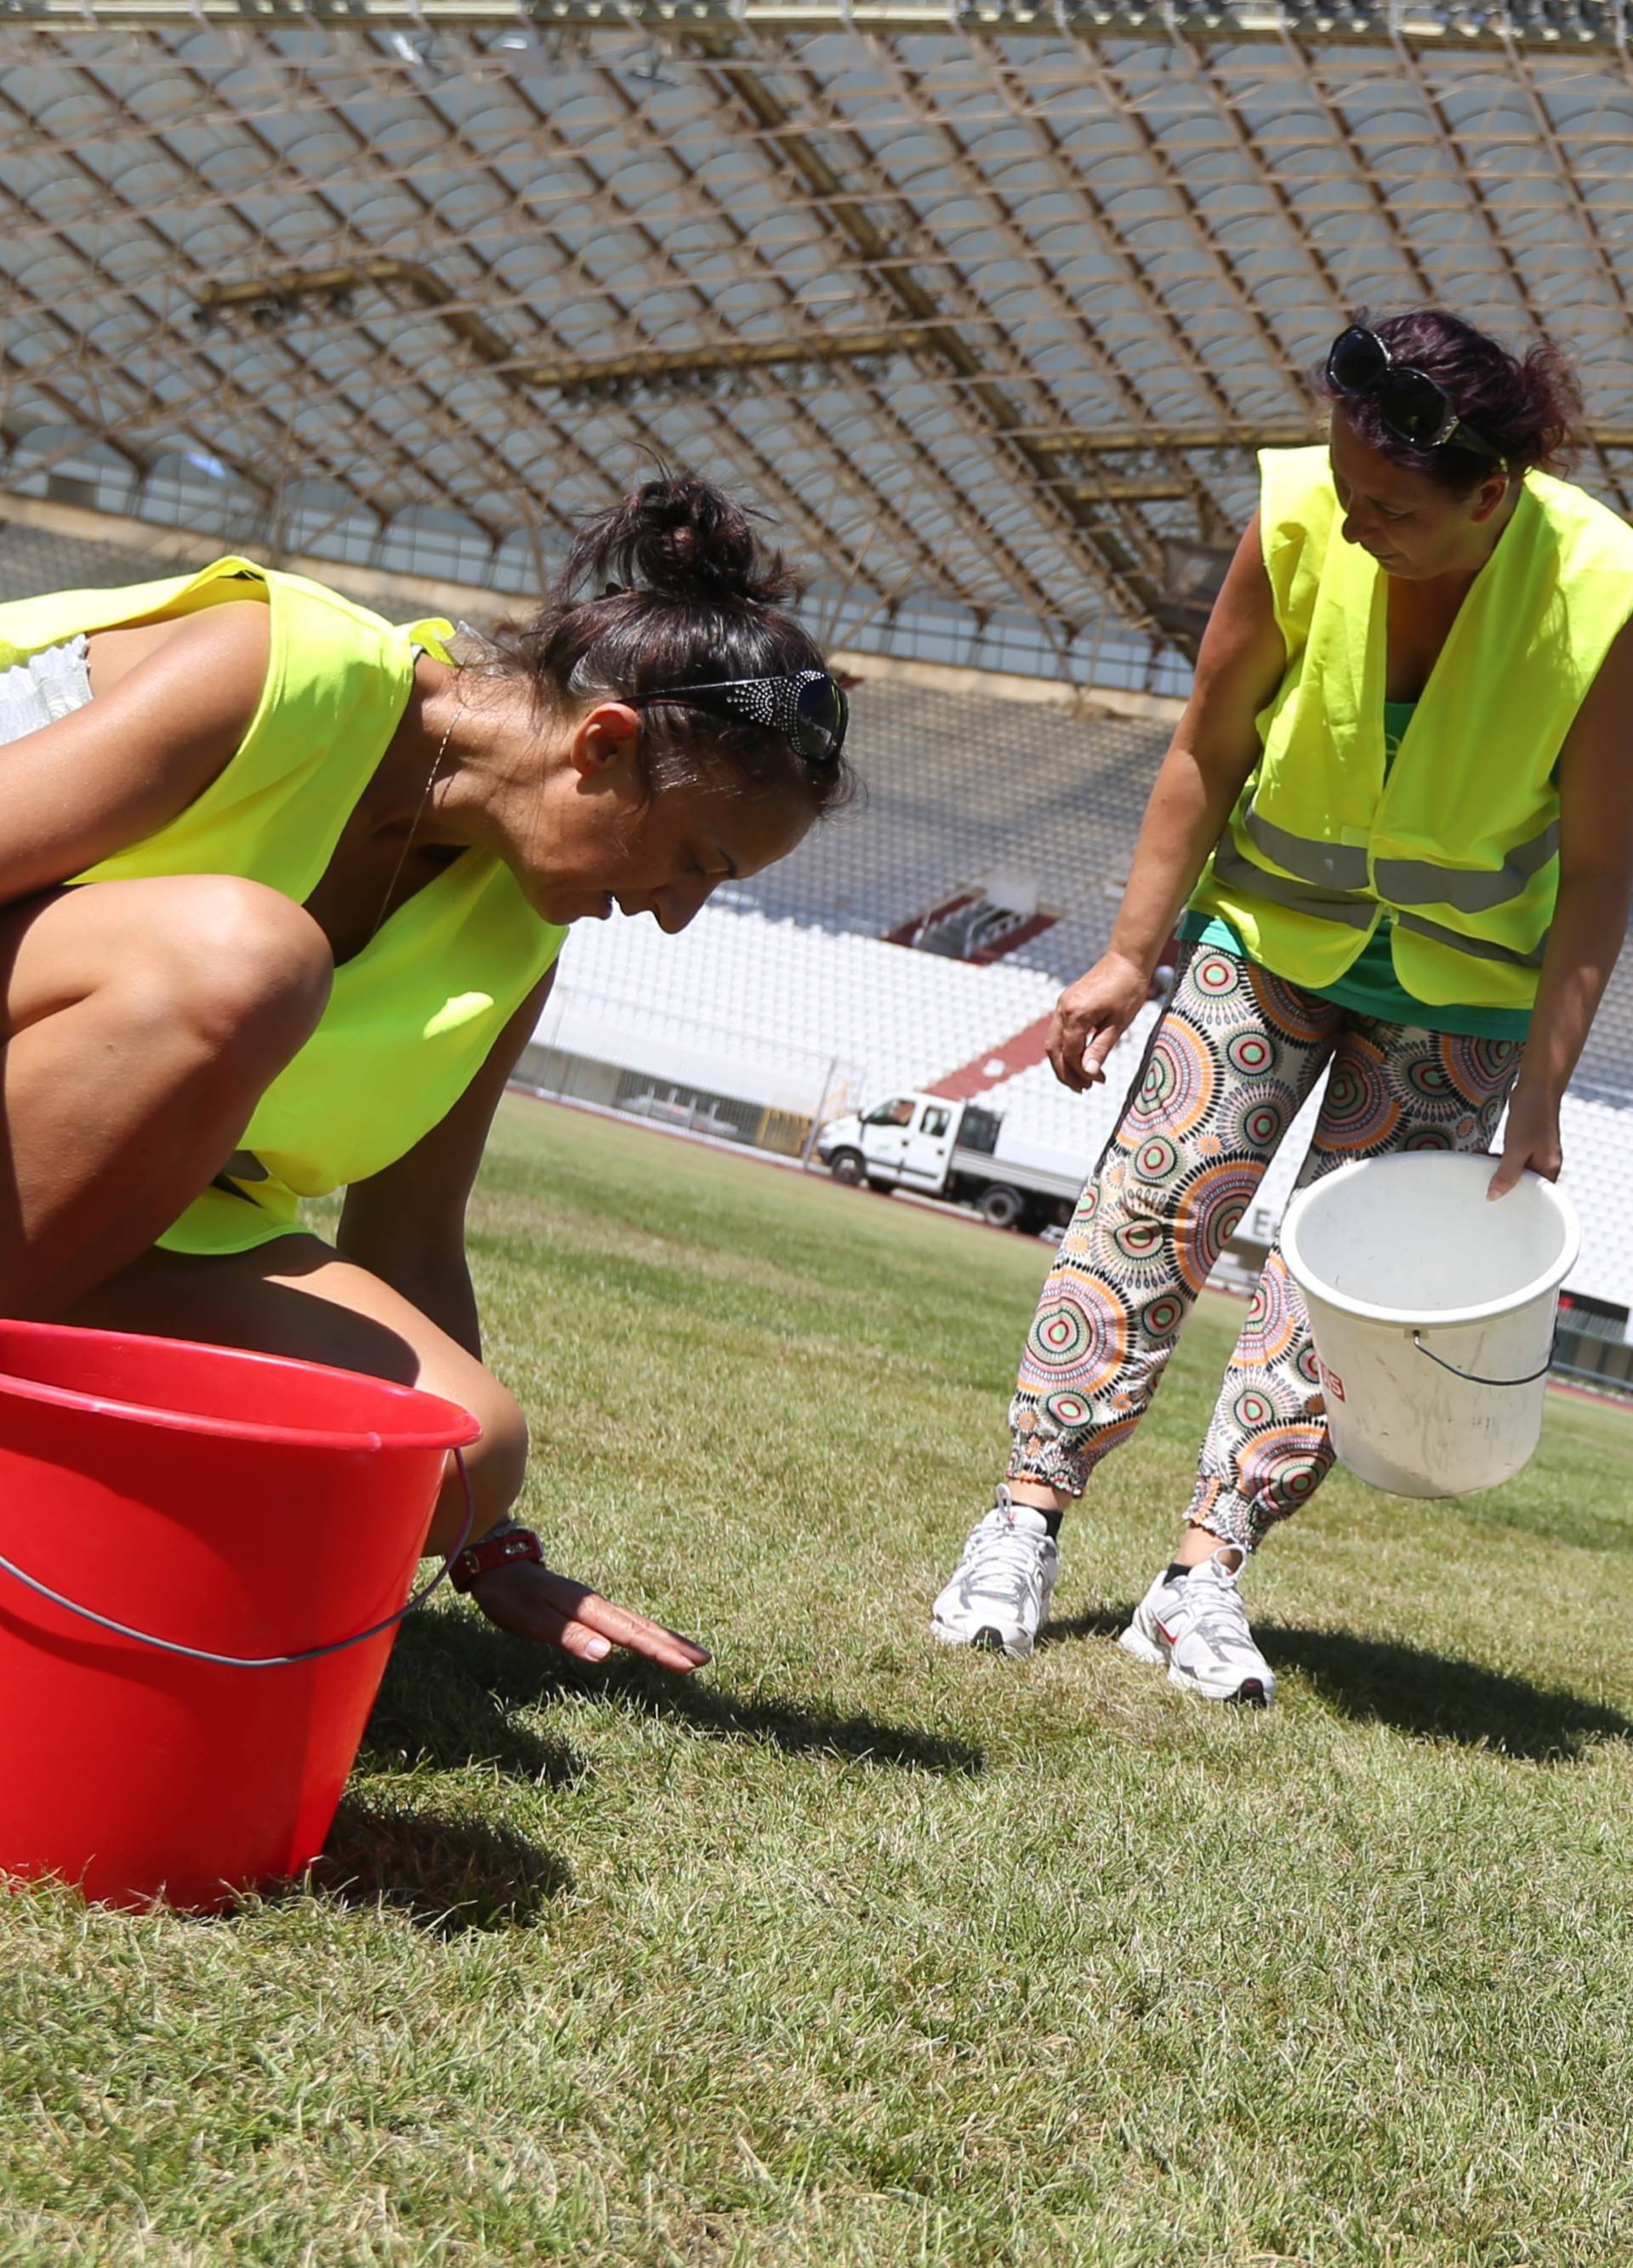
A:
[408,844]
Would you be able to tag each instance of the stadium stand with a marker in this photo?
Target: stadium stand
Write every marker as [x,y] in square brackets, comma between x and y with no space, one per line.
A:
[783,1002]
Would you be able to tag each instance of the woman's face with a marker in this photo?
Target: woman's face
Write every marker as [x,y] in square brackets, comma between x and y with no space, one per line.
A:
[595,842]
[1413,527]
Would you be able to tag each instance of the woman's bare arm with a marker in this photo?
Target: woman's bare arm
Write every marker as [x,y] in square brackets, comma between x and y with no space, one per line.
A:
[406,1224]
[1590,919]
[89,785]
[1215,747]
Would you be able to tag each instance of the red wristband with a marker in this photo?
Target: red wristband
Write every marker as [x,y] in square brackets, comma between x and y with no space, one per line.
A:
[478,1559]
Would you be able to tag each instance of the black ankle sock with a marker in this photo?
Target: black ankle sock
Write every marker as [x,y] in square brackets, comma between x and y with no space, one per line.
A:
[1051,1520]
[1176,1573]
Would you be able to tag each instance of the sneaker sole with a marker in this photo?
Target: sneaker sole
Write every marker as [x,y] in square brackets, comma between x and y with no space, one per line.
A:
[1250,1694]
[988,1640]
[984,1640]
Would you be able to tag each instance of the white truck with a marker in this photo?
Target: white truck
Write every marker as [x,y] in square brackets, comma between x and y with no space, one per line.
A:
[955,1150]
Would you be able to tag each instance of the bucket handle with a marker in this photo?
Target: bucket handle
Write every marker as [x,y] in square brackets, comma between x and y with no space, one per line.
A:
[1469,1376]
[263,1661]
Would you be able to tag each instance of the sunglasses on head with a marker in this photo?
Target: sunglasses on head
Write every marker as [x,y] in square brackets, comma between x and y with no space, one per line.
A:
[805,707]
[1412,407]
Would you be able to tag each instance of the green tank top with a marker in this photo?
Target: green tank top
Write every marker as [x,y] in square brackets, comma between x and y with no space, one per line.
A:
[413,1015]
[1370,985]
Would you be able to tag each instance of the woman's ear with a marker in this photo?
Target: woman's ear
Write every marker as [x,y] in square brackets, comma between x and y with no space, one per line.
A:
[1491,494]
[606,735]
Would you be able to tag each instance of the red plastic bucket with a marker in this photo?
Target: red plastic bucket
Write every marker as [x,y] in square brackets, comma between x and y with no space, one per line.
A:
[210,1499]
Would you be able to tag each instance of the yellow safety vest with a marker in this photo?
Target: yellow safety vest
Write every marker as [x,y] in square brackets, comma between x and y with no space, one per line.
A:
[1459,843]
[414,1016]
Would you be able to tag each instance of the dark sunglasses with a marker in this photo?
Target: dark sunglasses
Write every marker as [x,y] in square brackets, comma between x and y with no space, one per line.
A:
[1412,407]
[805,707]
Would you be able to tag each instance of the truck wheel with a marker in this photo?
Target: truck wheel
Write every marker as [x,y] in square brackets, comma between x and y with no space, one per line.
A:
[1000,1205]
[848,1166]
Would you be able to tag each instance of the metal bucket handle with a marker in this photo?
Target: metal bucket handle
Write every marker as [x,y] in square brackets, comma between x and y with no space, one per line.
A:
[1470,1377]
[263,1661]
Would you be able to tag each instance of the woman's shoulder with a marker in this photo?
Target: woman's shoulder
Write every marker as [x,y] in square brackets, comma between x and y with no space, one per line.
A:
[1297,499]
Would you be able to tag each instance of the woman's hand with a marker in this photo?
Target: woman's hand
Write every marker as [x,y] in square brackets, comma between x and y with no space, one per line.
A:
[1091,1017]
[535,1601]
[1530,1140]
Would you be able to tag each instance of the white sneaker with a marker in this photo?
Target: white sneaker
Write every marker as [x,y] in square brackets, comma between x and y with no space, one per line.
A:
[998,1597]
[1197,1624]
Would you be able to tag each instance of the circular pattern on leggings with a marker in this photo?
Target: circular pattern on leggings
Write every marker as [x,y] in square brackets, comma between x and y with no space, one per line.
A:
[1156,1158]
[1255,1117]
[1218,975]
[1272,1323]
[1135,1253]
[1428,1080]
[1211,1203]
[1179,1084]
[1250,1054]
[1067,1410]
[1252,1408]
[1302,1017]
[1080,1337]
[1481,1068]
[1283,1465]
[1358,1111]
[1163,1315]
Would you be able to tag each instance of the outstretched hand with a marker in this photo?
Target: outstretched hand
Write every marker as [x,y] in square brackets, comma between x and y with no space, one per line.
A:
[535,1601]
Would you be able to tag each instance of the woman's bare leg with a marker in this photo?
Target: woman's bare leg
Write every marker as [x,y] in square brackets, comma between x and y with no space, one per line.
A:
[296,1297]
[140,1024]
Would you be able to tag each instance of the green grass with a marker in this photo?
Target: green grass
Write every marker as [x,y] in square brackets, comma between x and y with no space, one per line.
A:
[853,1951]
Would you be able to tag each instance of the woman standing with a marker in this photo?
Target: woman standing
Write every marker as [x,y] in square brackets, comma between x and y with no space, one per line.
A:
[282,888]
[1396,808]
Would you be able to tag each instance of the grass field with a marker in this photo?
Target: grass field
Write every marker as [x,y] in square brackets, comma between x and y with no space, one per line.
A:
[853,1951]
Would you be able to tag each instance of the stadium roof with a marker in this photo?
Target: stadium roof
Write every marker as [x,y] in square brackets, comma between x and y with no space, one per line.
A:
[990,305]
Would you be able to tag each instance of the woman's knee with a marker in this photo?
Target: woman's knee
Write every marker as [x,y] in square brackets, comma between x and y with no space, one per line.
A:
[496,1463]
[242,967]
[228,967]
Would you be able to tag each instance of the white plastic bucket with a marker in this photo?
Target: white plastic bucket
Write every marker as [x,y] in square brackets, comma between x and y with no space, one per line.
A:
[1433,1308]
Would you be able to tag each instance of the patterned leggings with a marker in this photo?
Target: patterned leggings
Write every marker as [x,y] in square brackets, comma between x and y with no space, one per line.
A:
[1232,1061]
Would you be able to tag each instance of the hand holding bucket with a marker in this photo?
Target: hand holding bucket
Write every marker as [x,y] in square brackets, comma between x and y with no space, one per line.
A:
[1432,1312]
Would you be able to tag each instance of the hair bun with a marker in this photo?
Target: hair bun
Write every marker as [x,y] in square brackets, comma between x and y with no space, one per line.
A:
[680,538]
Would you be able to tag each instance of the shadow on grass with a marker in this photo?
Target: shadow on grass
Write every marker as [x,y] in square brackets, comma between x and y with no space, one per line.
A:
[494,1668]
[770,1721]
[1440,1697]
[436,1707]
[1432,1696]
[1099,1621]
[448,1875]
[445,1695]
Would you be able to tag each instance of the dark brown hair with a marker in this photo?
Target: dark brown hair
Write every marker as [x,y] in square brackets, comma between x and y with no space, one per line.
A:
[1526,405]
[674,588]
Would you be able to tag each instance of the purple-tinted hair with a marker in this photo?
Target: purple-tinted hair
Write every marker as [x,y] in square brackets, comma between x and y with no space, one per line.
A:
[1527,406]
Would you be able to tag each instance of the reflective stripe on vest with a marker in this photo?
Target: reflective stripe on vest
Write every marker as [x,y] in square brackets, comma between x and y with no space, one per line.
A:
[1419,882]
[1343,868]
[1481,948]
[1358,908]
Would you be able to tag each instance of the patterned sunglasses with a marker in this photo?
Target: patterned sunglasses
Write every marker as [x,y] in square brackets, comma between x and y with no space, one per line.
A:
[805,707]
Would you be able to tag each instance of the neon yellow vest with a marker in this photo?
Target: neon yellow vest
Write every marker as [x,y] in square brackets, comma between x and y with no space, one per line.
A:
[1460,845]
[412,1017]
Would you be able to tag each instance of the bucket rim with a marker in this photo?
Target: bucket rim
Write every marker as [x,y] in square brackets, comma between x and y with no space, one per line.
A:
[1481,1311]
[456,1431]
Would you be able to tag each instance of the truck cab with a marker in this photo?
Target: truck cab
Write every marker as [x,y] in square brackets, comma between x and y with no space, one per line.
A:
[904,1142]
